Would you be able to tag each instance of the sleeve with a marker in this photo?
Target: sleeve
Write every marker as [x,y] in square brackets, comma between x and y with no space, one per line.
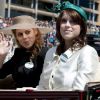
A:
[7,68]
[88,62]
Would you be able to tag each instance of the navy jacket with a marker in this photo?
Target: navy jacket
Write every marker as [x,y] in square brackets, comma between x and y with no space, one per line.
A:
[16,66]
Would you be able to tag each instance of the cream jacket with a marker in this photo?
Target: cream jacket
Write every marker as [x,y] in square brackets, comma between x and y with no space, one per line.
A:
[69,71]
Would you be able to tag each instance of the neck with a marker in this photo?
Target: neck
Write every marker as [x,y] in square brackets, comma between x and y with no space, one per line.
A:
[68,44]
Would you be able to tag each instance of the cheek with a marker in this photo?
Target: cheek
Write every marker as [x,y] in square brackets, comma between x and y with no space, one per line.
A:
[77,31]
[32,38]
[62,26]
[19,41]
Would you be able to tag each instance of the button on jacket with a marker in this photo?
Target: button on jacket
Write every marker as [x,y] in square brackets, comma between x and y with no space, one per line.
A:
[69,71]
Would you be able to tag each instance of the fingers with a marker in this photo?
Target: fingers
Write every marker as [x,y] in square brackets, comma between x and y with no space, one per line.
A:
[5,37]
[5,43]
[8,37]
[2,36]
[10,44]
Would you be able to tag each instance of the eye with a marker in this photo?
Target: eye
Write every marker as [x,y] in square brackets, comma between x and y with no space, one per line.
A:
[72,22]
[63,21]
[19,34]
[27,32]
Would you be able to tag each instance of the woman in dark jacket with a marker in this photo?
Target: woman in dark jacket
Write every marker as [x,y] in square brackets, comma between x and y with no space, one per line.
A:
[27,61]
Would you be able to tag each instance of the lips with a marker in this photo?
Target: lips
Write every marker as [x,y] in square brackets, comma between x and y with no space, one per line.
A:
[26,42]
[68,31]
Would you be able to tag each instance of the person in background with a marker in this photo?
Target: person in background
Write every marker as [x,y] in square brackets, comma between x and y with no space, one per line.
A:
[26,64]
[51,39]
[72,64]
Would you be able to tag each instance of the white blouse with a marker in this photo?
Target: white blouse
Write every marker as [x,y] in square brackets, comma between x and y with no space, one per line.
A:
[69,71]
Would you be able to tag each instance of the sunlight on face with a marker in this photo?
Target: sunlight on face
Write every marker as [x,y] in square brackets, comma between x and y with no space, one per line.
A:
[69,29]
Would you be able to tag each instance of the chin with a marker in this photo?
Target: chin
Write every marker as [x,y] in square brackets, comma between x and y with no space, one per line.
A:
[28,47]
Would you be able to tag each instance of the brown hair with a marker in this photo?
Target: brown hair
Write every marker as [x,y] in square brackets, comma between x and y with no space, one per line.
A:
[39,43]
[80,41]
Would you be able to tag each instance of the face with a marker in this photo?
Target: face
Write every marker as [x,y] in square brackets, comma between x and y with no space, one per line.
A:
[69,29]
[26,37]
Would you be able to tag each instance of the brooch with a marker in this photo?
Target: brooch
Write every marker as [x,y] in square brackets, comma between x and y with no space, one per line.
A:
[29,65]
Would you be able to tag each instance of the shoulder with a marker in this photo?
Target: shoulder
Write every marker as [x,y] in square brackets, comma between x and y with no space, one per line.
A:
[88,52]
[43,51]
[88,49]
[51,51]
[19,51]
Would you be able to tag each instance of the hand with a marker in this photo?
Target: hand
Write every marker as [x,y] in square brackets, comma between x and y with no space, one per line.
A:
[28,89]
[5,43]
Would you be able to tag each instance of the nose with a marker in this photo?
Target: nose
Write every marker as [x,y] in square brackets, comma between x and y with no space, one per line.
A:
[68,23]
[24,35]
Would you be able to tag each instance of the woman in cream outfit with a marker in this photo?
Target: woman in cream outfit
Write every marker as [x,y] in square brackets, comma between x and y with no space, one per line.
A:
[73,63]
